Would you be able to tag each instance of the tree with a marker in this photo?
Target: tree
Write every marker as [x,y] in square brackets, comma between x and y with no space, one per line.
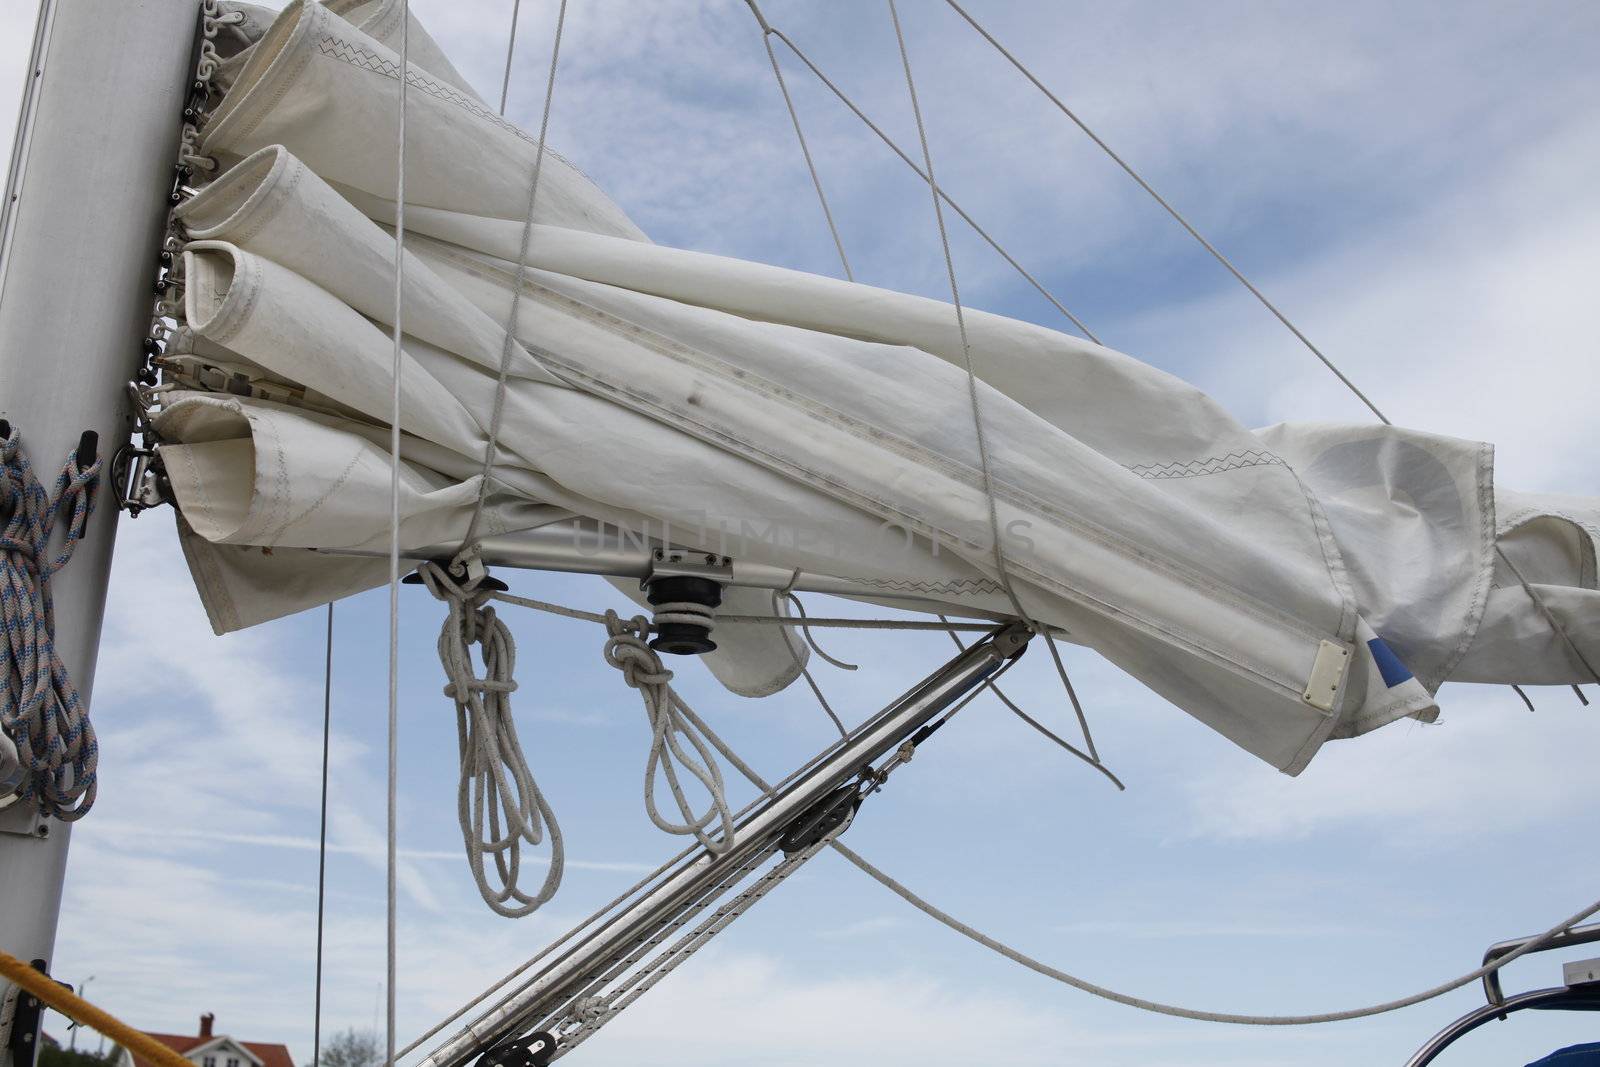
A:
[351,1048]
[55,1056]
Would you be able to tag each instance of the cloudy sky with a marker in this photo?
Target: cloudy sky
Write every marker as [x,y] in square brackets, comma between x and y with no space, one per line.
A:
[1414,183]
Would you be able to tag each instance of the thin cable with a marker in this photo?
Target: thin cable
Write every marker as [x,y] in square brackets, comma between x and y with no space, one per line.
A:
[1189,1013]
[762,620]
[994,687]
[1141,1003]
[794,117]
[805,672]
[1209,247]
[322,838]
[511,48]
[887,140]
[509,343]
[805,629]
[1555,623]
[973,395]
[391,896]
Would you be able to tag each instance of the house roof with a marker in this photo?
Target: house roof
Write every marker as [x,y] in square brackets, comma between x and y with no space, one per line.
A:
[268,1055]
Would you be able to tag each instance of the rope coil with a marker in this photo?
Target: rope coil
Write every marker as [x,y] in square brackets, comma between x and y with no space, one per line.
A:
[40,708]
[498,804]
[670,719]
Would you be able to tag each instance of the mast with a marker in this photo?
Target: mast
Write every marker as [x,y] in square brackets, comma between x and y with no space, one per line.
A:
[85,209]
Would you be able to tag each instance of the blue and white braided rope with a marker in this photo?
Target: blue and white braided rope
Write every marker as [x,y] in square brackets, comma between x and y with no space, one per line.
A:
[40,709]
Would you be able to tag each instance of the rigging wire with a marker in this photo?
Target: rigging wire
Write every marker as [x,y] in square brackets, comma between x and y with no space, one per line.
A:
[993,687]
[392,840]
[511,48]
[1209,247]
[974,397]
[811,167]
[509,343]
[1533,595]
[322,838]
[773,31]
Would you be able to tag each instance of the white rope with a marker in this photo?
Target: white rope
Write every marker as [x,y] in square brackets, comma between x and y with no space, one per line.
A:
[788,595]
[800,662]
[635,888]
[994,687]
[499,805]
[671,719]
[509,343]
[41,711]
[1016,956]
[392,813]
[805,150]
[974,397]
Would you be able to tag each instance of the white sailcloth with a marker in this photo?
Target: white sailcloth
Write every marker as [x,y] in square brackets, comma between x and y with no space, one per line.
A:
[1284,587]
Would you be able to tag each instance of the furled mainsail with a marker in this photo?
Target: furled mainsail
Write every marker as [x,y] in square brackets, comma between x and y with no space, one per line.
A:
[1283,586]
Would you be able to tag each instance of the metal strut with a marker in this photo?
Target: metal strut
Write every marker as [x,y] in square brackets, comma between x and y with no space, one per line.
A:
[574,994]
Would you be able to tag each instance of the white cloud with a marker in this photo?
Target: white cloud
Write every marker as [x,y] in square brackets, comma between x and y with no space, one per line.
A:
[1488,768]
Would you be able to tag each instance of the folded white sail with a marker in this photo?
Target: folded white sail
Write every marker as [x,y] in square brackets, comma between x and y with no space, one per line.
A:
[1285,586]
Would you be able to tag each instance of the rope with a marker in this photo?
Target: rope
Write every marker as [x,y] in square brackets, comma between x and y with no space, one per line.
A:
[994,687]
[40,708]
[773,31]
[670,719]
[496,789]
[508,344]
[74,1007]
[995,945]
[985,465]
[794,117]
[392,809]
[805,622]
[322,838]
[1016,956]
[799,660]
[764,620]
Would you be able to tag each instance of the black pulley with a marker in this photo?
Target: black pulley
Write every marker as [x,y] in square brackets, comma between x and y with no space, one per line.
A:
[535,1050]
[679,637]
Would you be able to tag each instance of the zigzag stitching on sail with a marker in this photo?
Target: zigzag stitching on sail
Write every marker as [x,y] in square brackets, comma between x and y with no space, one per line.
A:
[1209,465]
[957,586]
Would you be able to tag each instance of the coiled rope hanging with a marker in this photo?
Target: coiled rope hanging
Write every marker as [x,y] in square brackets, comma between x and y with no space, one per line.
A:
[40,709]
[670,719]
[498,803]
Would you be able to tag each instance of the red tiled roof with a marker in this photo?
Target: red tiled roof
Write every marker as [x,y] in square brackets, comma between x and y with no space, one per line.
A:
[269,1054]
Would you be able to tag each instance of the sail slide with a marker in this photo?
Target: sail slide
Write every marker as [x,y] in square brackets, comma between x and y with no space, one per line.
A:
[1284,586]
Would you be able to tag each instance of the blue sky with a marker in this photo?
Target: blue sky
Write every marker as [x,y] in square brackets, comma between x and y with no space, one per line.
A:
[1415,184]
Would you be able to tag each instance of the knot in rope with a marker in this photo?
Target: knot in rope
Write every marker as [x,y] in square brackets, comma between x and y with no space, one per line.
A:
[40,709]
[671,722]
[497,789]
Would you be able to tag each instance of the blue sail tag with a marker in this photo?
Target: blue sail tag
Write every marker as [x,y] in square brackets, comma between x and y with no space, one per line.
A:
[1389,666]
